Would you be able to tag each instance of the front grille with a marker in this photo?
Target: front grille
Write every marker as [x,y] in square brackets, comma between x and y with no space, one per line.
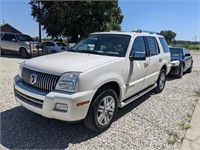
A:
[45,82]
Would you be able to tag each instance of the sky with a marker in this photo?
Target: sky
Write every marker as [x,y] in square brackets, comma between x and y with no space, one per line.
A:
[180,16]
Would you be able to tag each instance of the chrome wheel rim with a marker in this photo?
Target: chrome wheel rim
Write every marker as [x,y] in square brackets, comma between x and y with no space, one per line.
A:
[162,80]
[181,71]
[106,110]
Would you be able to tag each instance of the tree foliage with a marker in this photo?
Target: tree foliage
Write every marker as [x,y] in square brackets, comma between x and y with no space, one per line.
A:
[168,34]
[73,18]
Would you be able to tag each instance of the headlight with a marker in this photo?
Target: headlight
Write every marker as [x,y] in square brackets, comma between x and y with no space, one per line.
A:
[175,63]
[67,82]
[20,68]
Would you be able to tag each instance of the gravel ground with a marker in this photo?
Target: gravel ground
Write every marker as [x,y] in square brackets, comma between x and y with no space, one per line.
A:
[144,124]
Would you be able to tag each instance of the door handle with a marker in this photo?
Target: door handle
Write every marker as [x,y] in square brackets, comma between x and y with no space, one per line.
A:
[146,63]
[160,59]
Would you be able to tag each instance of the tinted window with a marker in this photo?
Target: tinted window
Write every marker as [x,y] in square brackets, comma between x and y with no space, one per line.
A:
[164,44]
[23,37]
[50,44]
[8,37]
[61,44]
[152,46]
[176,52]
[138,47]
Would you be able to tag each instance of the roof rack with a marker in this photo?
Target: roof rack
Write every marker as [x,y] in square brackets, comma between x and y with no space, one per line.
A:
[146,31]
[115,31]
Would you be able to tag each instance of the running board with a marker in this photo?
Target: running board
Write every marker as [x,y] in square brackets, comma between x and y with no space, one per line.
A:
[127,101]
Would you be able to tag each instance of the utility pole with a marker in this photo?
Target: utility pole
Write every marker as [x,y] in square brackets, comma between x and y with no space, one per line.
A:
[39,21]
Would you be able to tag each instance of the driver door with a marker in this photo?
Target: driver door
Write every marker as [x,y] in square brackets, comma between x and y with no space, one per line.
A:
[137,68]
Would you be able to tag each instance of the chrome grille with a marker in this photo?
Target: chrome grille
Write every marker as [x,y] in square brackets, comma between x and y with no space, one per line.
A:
[46,82]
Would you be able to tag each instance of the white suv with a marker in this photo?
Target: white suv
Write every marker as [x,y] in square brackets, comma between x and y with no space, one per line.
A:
[17,42]
[104,71]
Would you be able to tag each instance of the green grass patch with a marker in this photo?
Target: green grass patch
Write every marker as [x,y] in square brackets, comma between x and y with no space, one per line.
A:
[173,138]
[184,126]
[197,93]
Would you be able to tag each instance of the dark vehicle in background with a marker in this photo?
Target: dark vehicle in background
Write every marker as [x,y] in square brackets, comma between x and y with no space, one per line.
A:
[181,61]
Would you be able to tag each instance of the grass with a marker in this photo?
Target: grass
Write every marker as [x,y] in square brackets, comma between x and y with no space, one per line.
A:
[184,126]
[173,138]
[197,93]
[188,46]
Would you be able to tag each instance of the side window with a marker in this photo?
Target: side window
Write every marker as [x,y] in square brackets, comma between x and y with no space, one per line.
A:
[187,51]
[184,51]
[51,44]
[8,37]
[138,47]
[152,46]
[164,44]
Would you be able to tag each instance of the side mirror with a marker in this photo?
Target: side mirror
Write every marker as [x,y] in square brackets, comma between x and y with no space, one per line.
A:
[14,40]
[187,54]
[138,56]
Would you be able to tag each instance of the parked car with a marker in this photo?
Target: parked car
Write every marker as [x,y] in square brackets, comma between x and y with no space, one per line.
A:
[16,42]
[54,47]
[104,71]
[181,61]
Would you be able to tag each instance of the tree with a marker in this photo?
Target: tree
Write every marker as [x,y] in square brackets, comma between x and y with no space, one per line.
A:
[77,18]
[169,35]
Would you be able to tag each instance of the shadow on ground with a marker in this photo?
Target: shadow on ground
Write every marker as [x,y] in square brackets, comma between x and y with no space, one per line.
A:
[11,55]
[22,129]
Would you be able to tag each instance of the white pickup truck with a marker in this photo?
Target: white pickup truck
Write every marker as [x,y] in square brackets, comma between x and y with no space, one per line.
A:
[101,73]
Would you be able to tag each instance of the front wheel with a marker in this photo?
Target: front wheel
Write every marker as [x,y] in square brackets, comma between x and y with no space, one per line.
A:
[2,52]
[102,111]
[181,69]
[23,53]
[161,81]
[190,69]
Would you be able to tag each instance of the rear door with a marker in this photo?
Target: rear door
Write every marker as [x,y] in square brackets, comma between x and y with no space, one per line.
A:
[154,61]
[188,58]
[9,42]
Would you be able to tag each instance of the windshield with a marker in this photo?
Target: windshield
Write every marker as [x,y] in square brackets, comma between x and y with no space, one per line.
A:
[23,37]
[104,44]
[176,52]
[61,44]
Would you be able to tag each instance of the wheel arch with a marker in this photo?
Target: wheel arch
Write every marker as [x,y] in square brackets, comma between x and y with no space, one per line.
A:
[108,85]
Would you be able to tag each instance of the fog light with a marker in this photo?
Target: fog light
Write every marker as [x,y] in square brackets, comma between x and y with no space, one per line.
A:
[61,107]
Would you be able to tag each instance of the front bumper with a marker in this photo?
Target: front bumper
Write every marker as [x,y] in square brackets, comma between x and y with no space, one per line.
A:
[174,70]
[44,103]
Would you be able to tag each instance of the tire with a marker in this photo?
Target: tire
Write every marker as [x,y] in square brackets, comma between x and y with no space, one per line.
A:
[102,111]
[190,69]
[180,74]
[23,53]
[2,52]
[53,51]
[161,81]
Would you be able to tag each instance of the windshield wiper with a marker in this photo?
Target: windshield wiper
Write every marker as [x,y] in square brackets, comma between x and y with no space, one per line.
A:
[90,52]
[71,50]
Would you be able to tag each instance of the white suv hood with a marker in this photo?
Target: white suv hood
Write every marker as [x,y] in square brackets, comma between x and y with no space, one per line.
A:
[60,63]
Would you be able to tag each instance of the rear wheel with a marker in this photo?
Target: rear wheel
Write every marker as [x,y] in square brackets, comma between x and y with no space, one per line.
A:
[161,81]
[102,111]
[181,69]
[190,69]
[2,52]
[23,53]
[53,51]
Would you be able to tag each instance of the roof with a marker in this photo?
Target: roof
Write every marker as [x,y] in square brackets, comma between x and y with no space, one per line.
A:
[129,33]
[8,28]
